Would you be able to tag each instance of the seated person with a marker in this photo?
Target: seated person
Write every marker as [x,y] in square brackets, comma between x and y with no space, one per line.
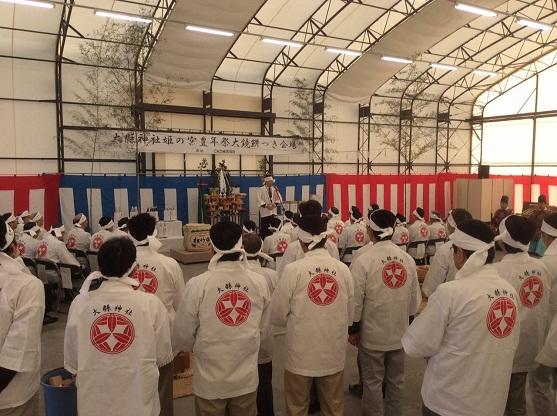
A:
[78,237]
[104,234]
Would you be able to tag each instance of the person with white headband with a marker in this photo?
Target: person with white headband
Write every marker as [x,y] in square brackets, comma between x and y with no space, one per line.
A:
[353,236]
[468,332]
[419,231]
[78,237]
[162,276]
[253,246]
[249,227]
[122,227]
[276,244]
[116,339]
[22,219]
[287,225]
[401,236]
[437,231]
[28,243]
[542,380]
[268,198]
[221,319]
[22,306]
[335,223]
[38,219]
[105,233]
[442,268]
[52,248]
[503,212]
[369,232]
[531,280]
[387,296]
[11,220]
[314,300]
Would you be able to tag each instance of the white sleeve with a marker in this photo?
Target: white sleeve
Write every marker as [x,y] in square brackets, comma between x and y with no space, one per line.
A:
[548,354]
[266,244]
[265,329]
[424,337]
[186,322]
[20,350]
[65,256]
[280,304]
[436,274]
[162,334]
[261,197]
[332,249]
[359,276]
[179,284]
[288,257]
[415,293]
[351,297]
[71,345]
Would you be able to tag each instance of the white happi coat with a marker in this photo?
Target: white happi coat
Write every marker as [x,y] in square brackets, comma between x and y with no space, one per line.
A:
[354,235]
[387,293]
[294,252]
[469,331]
[276,243]
[400,235]
[362,250]
[314,299]
[27,246]
[116,339]
[99,238]
[78,239]
[418,231]
[221,319]
[550,261]
[548,354]
[338,225]
[263,199]
[437,231]
[21,318]
[531,280]
[441,270]
[50,248]
[266,348]
[288,228]
[162,276]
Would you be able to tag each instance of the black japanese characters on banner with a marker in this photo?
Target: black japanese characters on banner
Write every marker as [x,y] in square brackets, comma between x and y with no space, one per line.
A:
[172,142]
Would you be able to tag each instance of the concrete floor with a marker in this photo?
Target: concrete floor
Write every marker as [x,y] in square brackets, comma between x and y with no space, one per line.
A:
[52,357]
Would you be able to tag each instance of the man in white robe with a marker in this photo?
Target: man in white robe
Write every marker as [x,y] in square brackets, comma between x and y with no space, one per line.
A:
[78,237]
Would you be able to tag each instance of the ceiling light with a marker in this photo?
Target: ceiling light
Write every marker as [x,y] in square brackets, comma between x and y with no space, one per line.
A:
[209,30]
[474,9]
[445,67]
[344,51]
[396,59]
[534,25]
[283,42]
[122,16]
[485,73]
[43,4]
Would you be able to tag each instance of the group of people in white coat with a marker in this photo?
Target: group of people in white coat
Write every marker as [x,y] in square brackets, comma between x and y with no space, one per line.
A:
[484,328]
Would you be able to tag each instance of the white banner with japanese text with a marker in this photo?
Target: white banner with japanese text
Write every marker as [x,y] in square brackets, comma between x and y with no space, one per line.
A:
[204,143]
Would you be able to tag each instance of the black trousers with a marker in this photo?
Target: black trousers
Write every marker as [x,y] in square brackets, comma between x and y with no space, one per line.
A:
[427,412]
[265,222]
[265,390]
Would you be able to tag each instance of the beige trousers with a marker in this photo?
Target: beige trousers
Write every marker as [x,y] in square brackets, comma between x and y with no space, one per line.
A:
[235,406]
[329,390]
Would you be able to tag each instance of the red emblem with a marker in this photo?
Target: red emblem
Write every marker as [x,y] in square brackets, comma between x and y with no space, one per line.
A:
[21,248]
[97,242]
[394,275]
[323,289]
[501,317]
[233,308]
[531,291]
[148,281]
[71,241]
[441,233]
[43,248]
[424,231]
[112,333]
[333,238]
[359,236]
[338,228]
[404,238]
[282,245]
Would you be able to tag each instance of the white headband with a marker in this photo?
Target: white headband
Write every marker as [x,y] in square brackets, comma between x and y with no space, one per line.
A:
[11,218]
[469,243]
[507,239]
[37,217]
[109,225]
[400,223]
[549,230]
[451,221]
[386,232]
[434,216]
[125,226]
[312,240]
[261,255]
[98,275]
[415,213]
[247,231]
[32,231]
[269,178]
[219,253]
[24,214]
[332,214]
[57,231]
[10,235]
[81,221]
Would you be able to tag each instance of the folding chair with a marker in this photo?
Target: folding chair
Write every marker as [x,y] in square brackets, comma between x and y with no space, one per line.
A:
[31,265]
[92,256]
[43,268]
[76,276]
[420,247]
[82,258]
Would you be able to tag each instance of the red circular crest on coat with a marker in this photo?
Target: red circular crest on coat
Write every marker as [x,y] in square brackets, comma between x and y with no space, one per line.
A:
[148,281]
[21,248]
[71,241]
[43,248]
[333,238]
[323,289]
[97,242]
[339,228]
[233,307]
[531,291]
[501,317]
[441,233]
[112,333]
[394,275]
[360,236]
[282,245]
[424,231]
[404,238]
